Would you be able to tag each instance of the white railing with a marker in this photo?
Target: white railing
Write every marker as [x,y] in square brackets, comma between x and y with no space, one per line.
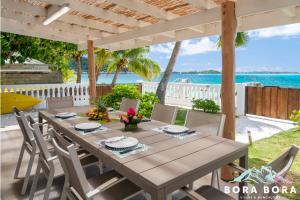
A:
[182,94]
[79,92]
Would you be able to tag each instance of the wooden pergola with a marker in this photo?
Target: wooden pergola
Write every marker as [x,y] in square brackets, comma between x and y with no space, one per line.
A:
[123,24]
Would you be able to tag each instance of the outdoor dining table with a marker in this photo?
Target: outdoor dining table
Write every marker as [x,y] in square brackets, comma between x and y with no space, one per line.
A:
[169,163]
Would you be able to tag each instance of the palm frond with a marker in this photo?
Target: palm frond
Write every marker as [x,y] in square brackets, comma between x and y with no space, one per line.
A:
[144,67]
[112,67]
[102,57]
[137,52]
[241,39]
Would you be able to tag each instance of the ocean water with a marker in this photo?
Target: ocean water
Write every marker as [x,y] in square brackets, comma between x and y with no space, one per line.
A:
[282,80]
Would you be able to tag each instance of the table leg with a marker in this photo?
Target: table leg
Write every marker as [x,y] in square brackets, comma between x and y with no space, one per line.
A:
[40,121]
[243,162]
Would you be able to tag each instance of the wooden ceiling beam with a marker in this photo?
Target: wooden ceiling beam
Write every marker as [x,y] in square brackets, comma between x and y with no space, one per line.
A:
[252,22]
[243,8]
[144,8]
[42,12]
[95,11]
[11,26]
[202,4]
[71,29]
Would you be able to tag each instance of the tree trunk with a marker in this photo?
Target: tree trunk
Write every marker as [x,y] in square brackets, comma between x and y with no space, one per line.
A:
[78,67]
[162,86]
[91,70]
[229,24]
[114,81]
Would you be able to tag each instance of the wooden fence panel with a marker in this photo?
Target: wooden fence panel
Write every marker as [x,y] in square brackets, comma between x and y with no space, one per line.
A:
[282,103]
[251,100]
[273,102]
[293,100]
[258,100]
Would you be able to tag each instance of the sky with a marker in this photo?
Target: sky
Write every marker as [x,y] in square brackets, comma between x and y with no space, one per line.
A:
[271,49]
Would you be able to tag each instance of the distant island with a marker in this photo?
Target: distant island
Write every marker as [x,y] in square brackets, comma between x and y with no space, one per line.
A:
[211,71]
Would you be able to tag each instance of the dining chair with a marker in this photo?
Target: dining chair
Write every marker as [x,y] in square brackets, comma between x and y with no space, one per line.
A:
[281,165]
[49,164]
[164,113]
[28,145]
[211,122]
[195,119]
[129,103]
[60,102]
[109,186]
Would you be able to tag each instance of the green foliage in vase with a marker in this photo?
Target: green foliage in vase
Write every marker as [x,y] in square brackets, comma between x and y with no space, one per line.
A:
[295,117]
[147,102]
[114,98]
[205,105]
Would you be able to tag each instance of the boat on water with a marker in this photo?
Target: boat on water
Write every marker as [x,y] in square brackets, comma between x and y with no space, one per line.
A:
[183,80]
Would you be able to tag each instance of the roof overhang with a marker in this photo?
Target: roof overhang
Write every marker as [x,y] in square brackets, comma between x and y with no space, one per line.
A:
[123,24]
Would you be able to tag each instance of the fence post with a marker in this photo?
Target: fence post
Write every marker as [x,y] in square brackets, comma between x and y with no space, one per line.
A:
[240,99]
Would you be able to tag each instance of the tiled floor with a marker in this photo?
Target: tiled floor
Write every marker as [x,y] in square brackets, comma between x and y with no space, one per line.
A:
[10,188]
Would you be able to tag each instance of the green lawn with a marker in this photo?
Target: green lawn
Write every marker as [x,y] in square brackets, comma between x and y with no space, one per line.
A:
[266,150]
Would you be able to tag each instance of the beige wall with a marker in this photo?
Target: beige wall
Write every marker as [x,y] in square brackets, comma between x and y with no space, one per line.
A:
[16,78]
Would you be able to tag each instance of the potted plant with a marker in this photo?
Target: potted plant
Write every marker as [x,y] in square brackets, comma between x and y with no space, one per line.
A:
[99,112]
[131,119]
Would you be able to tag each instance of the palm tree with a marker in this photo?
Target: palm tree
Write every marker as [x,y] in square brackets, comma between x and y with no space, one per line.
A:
[241,39]
[102,57]
[133,60]
[77,57]
[162,86]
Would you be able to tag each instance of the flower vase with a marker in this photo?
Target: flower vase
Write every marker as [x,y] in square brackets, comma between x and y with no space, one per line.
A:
[131,126]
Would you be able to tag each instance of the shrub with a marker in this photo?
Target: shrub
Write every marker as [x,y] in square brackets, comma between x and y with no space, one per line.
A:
[114,98]
[295,117]
[147,102]
[206,105]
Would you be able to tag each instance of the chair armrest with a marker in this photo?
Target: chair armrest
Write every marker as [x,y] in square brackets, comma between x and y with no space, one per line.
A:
[192,194]
[52,158]
[237,168]
[105,186]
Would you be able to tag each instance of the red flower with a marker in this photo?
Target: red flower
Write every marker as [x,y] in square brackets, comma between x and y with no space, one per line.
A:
[131,112]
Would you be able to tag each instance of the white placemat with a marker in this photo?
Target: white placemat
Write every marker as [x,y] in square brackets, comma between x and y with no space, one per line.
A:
[75,117]
[101,129]
[179,136]
[140,148]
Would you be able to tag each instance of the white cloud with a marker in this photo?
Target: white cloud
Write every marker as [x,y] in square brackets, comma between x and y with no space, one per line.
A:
[189,47]
[283,31]
[162,48]
[204,45]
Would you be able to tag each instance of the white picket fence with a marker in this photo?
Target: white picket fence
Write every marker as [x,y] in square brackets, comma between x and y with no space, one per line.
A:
[178,94]
[182,94]
[79,92]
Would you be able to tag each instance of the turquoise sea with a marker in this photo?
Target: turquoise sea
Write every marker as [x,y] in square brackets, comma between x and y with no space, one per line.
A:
[282,80]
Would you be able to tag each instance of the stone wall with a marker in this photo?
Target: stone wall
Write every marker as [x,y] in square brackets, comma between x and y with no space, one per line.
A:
[17,78]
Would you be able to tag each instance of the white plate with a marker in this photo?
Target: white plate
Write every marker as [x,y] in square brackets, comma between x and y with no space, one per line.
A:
[90,126]
[175,129]
[65,115]
[121,142]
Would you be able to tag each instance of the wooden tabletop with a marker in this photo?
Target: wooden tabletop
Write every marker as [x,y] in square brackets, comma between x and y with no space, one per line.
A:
[169,163]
